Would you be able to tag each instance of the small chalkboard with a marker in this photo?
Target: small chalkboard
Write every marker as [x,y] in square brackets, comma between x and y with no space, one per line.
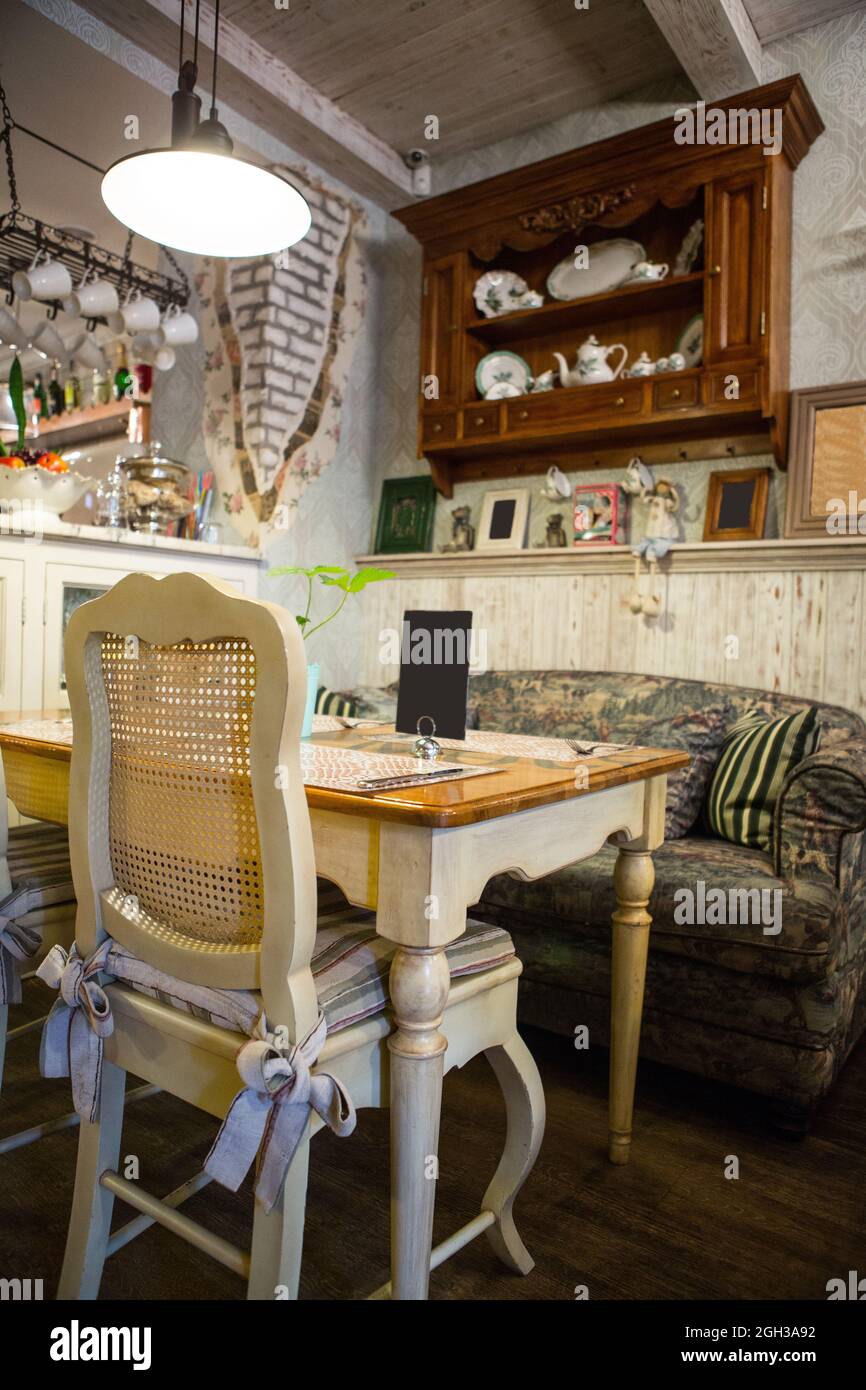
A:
[735,508]
[434,673]
[737,505]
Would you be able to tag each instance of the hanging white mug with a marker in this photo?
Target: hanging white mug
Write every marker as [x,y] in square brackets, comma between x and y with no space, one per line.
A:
[46,279]
[91,299]
[138,315]
[178,328]
[86,352]
[48,342]
[557,486]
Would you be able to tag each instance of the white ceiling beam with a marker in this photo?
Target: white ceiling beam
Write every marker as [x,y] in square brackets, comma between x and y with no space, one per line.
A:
[259,87]
[715,42]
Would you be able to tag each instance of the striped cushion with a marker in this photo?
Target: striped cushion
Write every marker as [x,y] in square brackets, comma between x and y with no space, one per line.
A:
[757,755]
[350,967]
[38,860]
[333,702]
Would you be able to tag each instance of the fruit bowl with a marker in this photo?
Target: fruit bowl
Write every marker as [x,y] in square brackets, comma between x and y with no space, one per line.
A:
[40,487]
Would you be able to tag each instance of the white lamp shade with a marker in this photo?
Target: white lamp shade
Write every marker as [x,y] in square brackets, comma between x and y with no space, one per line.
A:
[208,204]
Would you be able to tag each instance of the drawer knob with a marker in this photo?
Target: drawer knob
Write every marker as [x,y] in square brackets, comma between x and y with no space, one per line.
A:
[675,394]
[437,428]
[523,415]
[479,419]
[620,400]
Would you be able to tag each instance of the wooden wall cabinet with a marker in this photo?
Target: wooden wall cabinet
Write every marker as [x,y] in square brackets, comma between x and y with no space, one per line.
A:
[644,186]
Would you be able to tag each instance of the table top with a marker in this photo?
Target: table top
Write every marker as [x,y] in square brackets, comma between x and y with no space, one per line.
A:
[516,784]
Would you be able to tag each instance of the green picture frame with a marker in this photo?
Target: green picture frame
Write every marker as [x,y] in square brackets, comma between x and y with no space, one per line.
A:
[406,515]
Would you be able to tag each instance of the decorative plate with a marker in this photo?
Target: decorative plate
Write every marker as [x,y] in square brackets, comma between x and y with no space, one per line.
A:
[502,366]
[610,263]
[501,390]
[501,292]
[691,341]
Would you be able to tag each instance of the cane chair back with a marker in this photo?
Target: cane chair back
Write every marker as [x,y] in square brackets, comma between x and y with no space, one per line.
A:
[189,831]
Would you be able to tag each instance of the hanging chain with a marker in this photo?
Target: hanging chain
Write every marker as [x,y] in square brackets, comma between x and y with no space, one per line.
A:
[6,137]
[173,263]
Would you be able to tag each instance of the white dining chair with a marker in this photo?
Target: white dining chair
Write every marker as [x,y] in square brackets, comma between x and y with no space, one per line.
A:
[199,957]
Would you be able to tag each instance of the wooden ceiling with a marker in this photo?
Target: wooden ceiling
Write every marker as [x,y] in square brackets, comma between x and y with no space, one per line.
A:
[349,84]
[486,68]
[775,19]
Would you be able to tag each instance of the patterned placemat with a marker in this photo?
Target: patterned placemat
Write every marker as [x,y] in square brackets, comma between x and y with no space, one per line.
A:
[352,769]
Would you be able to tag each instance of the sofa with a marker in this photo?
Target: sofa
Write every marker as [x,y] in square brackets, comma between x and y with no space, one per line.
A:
[776,1013]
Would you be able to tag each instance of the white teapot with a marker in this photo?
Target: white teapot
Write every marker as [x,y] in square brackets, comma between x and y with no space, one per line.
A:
[591,365]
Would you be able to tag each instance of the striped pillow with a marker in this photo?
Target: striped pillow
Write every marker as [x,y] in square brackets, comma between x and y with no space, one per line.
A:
[757,755]
[333,702]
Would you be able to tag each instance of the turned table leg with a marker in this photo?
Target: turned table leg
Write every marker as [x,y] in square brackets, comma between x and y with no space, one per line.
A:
[420,982]
[633,882]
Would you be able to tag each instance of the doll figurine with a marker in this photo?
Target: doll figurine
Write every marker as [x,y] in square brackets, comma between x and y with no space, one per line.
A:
[662,502]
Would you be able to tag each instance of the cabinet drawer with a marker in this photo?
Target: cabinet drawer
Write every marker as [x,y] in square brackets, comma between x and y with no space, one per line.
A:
[480,420]
[571,406]
[719,387]
[439,428]
[675,393]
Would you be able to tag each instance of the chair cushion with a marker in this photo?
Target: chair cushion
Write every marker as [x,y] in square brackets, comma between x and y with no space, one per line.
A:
[350,967]
[37,857]
[757,755]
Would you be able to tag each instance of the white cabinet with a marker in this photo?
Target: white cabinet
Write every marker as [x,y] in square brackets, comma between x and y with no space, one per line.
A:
[11,631]
[42,582]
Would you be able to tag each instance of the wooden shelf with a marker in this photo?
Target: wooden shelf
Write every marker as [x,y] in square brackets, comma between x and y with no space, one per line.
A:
[692,557]
[75,426]
[562,315]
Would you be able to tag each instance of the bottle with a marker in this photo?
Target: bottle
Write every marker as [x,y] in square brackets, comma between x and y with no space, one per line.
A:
[40,400]
[101,393]
[72,391]
[122,376]
[55,392]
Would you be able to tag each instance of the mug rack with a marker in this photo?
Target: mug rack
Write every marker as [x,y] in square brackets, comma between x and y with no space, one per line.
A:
[22,238]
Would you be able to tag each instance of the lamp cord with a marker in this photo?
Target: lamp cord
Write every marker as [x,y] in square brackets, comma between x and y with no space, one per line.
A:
[216,44]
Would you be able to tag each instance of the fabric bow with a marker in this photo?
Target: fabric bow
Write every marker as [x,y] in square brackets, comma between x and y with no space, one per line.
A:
[269,1115]
[17,942]
[72,1039]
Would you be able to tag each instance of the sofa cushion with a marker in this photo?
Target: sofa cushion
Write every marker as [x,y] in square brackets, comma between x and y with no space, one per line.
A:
[580,900]
[350,967]
[757,755]
[334,702]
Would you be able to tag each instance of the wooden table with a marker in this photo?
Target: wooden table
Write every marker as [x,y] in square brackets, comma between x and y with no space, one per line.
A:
[420,858]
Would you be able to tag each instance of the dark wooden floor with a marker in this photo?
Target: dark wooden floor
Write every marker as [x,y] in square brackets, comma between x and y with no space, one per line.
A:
[668,1226]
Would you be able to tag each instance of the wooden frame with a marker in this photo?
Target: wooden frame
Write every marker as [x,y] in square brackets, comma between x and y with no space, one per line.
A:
[754,529]
[421,492]
[801,518]
[516,538]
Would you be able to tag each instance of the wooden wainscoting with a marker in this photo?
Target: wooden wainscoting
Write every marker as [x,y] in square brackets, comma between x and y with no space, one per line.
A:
[796,609]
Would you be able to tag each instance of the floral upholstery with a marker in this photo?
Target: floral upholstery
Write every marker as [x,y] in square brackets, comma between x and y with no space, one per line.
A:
[776,1014]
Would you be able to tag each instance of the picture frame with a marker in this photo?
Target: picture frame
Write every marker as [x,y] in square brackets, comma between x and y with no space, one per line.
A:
[737,505]
[504,516]
[826,458]
[406,514]
[596,515]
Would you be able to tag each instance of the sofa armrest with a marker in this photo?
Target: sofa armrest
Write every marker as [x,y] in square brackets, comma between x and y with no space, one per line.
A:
[820,818]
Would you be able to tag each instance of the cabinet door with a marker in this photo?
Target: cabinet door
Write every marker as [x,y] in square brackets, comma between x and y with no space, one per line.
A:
[11,632]
[441,337]
[66,587]
[735,292]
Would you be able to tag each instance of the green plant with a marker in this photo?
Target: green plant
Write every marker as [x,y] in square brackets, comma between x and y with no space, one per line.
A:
[16,393]
[335,577]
